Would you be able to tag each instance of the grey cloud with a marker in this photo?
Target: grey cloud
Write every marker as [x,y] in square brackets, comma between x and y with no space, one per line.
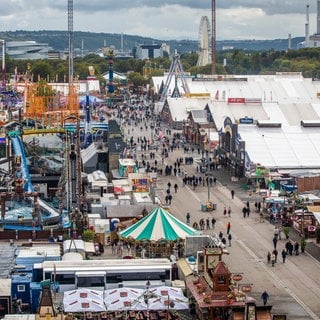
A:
[269,6]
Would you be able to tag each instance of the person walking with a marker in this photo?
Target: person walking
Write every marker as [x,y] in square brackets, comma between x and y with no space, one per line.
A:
[228,227]
[284,255]
[289,247]
[208,224]
[268,257]
[275,241]
[273,259]
[244,211]
[265,297]
[175,188]
[229,239]
[232,194]
[229,212]
[213,222]
[275,252]
[169,199]
[188,217]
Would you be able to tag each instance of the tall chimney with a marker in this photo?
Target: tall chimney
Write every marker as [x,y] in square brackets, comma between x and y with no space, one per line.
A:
[289,41]
[318,17]
[307,25]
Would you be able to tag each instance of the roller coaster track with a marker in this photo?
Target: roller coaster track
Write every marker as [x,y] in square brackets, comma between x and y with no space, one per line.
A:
[43,131]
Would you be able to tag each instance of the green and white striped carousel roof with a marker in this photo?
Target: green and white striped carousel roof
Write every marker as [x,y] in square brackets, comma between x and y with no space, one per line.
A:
[158,224]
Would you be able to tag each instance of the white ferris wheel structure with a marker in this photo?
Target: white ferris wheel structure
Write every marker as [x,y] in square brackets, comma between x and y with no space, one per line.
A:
[204,42]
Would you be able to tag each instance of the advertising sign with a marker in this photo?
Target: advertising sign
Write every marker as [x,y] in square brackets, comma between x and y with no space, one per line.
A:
[236,100]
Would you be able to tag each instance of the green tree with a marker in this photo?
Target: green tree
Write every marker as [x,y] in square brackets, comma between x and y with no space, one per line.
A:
[42,69]
[88,235]
[137,79]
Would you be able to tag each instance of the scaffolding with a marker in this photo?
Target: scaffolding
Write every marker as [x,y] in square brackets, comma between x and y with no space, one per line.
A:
[43,104]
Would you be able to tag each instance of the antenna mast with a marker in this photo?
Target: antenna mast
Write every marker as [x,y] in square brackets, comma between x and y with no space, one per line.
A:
[213,37]
[70,38]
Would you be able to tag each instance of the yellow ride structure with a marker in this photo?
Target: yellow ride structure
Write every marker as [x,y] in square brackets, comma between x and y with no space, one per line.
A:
[44,104]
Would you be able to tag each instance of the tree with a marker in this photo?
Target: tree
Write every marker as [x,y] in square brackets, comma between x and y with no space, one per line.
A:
[88,235]
[137,79]
[42,69]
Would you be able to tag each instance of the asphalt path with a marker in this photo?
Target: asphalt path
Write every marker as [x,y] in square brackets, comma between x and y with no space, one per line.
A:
[293,286]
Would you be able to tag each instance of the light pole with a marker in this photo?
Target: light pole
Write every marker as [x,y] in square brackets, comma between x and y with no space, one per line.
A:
[170,305]
[146,297]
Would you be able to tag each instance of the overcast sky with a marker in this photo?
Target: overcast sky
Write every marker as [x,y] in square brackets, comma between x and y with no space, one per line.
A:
[164,19]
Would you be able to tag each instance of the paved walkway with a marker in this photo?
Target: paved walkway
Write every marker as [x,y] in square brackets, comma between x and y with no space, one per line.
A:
[294,286]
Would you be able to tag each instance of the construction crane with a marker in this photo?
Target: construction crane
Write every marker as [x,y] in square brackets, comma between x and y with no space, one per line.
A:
[177,70]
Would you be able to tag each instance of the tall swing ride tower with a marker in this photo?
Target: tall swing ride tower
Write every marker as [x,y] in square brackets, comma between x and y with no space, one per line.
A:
[213,37]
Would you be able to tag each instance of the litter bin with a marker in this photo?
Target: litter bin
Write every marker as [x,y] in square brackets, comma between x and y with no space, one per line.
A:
[214,205]
[203,207]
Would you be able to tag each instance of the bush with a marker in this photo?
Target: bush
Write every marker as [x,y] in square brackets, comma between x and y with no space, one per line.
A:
[88,235]
[286,231]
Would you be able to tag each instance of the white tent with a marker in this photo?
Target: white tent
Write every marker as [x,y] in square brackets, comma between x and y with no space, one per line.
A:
[159,298]
[124,299]
[83,300]
[84,305]
[82,293]
[165,296]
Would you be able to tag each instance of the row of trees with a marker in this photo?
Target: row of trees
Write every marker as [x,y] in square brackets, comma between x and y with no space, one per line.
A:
[239,62]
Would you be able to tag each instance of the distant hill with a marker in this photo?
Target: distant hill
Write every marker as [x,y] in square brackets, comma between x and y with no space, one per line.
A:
[58,40]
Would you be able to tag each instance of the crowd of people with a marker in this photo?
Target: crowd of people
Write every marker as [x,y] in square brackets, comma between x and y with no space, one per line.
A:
[191,169]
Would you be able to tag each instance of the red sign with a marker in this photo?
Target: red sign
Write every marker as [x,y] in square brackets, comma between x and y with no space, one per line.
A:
[311,228]
[237,277]
[213,144]
[246,288]
[236,100]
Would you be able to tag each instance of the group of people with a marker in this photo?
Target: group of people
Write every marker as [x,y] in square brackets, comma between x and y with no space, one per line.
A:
[289,249]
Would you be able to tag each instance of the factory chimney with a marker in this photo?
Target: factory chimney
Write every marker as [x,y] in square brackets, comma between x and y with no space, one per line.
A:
[307,27]
[289,41]
[318,17]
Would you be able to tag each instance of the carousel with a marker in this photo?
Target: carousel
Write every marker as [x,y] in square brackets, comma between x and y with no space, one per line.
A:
[158,234]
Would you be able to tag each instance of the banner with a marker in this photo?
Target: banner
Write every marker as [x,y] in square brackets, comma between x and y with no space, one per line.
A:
[236,100]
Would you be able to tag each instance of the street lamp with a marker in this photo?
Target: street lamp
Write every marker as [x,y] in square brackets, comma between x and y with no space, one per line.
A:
[146,297]
[170,304]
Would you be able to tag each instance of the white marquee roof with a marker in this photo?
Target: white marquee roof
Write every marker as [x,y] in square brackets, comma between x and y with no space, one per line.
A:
[286,98]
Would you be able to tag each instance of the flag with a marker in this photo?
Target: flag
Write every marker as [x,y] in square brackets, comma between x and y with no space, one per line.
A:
[217,95]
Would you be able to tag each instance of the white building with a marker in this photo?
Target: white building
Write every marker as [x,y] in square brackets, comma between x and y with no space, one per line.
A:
[27,50]
[149,51]
[276,116]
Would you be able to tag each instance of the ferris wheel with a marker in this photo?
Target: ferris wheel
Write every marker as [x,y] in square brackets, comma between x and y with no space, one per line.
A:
[204,36]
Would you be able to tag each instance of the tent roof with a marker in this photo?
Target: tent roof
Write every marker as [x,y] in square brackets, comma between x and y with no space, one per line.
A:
[158,224]
[133,299]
